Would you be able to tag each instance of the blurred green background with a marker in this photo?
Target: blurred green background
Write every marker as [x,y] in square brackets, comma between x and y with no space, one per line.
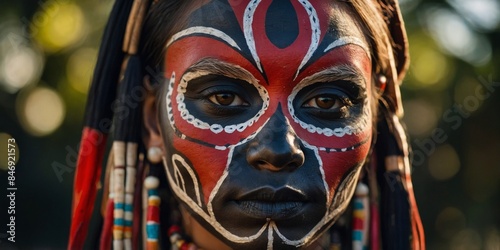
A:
[451,97]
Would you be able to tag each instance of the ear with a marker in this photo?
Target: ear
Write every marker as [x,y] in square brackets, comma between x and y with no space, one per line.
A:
[151,134]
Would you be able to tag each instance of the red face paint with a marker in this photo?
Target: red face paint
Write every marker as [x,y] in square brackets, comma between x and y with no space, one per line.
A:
[267,118]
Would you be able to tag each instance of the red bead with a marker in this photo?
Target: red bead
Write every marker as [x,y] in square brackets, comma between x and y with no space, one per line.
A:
[153,214]
[187,246]
[174,229]
[357,224]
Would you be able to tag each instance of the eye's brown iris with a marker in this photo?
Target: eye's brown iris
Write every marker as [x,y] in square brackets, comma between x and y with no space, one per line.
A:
[224,99]
[325,102]
[227,99]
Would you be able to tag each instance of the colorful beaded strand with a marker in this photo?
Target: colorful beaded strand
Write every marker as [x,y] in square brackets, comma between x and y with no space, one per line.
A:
[118,193]
[144,203]
[153,213]
[131,161]
[360,218]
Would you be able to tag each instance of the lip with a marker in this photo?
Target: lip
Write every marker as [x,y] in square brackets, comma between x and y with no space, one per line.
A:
[269,203]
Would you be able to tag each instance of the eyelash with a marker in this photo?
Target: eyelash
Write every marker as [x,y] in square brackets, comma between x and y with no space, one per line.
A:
[235,98]
[328,101]
[344,101]
[218,109]
[330,114]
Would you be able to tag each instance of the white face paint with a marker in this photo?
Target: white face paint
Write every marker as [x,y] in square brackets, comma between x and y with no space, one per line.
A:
[338,73]
[277,201]
[217,128]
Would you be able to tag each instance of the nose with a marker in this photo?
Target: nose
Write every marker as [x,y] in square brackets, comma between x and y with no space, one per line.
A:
[276,147]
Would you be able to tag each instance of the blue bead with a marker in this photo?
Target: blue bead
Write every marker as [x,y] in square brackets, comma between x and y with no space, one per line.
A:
[357,235]
[358,205]
[119,222]
[153,191]
[152,230]
[128,207]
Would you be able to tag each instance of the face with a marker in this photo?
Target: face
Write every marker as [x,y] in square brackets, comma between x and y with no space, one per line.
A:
[266,118]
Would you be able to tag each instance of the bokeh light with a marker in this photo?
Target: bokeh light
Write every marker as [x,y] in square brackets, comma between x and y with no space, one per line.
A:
[58,25]
[21,64]
[4,137]
[455,37]
[20,67]
[449,222]
[467,239]
[444,163]
[482,14]
[80,67]
[420,117]
[492,240]
[41,111]
[430,68]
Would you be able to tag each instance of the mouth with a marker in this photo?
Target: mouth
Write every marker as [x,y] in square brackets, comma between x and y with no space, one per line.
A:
[269,203]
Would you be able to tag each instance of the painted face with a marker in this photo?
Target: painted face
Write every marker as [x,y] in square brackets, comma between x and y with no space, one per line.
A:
[266,118]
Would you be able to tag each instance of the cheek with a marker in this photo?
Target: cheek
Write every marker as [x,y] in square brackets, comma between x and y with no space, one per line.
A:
[208,163]
[337,165]
[339,155]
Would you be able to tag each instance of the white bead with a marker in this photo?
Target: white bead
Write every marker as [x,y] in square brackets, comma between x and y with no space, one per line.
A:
[151,182]
[382,79]
[362,189]
[154,154]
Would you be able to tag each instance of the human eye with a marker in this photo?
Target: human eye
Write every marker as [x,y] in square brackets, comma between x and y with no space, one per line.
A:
[227,99]
[223,98]
[326,101]
[217,98]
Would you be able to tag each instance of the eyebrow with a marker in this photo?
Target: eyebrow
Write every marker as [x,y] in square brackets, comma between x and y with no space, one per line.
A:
[342,72]
[211,66]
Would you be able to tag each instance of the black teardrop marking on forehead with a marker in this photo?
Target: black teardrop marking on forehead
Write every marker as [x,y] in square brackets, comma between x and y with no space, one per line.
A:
[282,24]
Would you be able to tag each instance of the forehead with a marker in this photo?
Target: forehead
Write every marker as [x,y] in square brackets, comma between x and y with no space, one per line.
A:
[282,18]
[279,21]
[272,35]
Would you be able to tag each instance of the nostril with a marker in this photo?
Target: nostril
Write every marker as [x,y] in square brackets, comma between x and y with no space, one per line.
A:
[260,163]
[277,156]
[266,159]
[298,158]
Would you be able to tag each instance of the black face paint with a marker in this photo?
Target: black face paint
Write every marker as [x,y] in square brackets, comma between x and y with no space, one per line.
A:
[267,167]
[268,180]
[282,25]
